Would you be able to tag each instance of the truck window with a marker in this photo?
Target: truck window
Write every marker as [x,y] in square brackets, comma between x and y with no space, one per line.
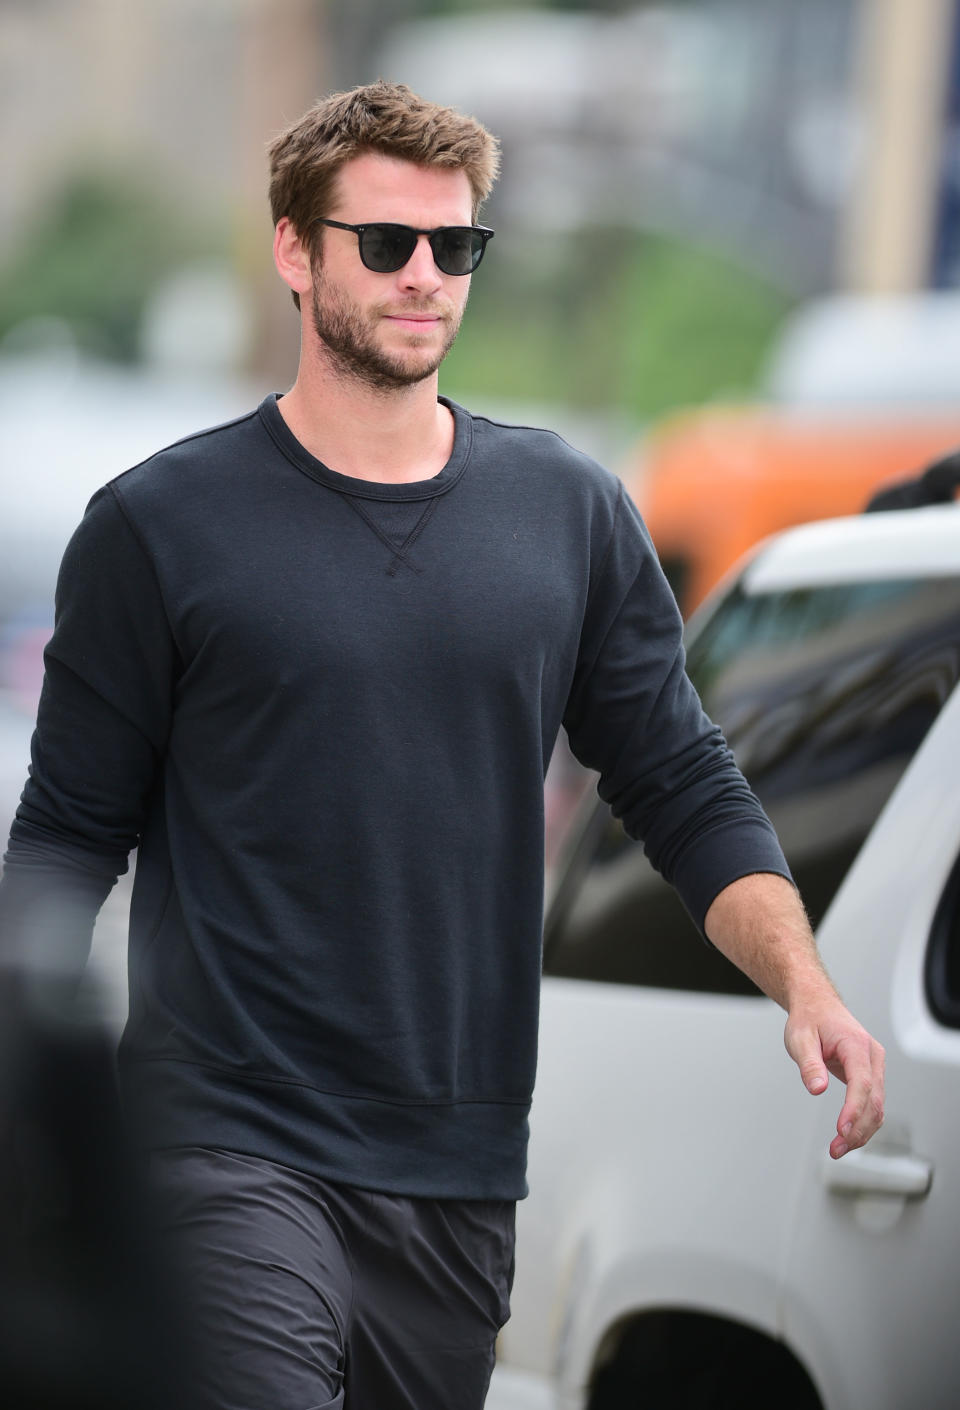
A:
[943,956]
[824,695]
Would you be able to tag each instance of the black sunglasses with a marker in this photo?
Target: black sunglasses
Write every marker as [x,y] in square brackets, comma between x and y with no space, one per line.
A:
[384,248]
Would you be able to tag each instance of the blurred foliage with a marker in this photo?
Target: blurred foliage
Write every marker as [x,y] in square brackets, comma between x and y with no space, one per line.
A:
[613,318]
[94,256]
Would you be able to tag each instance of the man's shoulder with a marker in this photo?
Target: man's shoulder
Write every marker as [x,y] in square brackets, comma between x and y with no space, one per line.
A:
[542,453]
[195,459]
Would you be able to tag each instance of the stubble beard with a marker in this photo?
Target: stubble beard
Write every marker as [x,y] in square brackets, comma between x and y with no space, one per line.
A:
[348,335]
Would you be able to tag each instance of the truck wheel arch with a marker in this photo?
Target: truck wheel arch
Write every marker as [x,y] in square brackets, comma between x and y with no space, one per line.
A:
[692,1360]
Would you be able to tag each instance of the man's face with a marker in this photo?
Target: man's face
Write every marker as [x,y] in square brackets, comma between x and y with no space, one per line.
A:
[389,330]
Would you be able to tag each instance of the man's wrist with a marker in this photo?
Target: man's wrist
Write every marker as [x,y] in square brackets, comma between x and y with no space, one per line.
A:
[808,985]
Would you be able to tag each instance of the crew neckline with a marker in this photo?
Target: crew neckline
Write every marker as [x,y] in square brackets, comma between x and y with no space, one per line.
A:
[298,455]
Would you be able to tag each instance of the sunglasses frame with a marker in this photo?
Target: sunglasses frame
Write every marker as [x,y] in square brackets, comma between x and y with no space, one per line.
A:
[483,231]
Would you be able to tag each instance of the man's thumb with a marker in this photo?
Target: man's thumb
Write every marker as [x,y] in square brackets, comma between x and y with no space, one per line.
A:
[804,1047]
[815,1076]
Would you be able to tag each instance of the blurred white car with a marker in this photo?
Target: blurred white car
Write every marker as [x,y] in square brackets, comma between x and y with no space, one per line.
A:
[687,1240]
[889,353]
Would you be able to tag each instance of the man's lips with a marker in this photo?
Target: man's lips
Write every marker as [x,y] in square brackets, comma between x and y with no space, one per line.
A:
[414,319]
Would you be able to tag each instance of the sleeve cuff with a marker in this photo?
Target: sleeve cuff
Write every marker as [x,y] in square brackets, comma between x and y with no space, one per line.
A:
[722,856]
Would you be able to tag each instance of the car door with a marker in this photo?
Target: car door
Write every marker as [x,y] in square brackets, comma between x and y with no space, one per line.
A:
[651,1185]
[871,1290]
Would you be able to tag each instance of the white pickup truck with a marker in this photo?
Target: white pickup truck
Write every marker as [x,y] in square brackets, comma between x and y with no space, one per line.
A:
[687,1241]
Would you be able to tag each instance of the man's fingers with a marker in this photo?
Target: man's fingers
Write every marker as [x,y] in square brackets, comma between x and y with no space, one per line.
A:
[842,1047]
[861,1115]
[861,1066]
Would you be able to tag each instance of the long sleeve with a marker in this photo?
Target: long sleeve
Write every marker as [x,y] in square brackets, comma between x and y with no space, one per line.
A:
[102,723]
[634,716]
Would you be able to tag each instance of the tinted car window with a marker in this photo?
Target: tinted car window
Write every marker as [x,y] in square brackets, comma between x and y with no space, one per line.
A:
[824,695]
[943,957]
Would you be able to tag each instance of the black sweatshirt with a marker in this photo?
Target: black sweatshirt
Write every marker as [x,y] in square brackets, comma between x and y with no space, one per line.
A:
[323,708]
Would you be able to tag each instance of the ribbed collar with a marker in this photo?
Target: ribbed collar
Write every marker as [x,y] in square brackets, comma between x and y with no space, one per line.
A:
[298,454]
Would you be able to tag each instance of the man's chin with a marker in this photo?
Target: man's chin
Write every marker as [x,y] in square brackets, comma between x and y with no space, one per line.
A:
[385,365]
[414,364]
[412,375]
[394,374]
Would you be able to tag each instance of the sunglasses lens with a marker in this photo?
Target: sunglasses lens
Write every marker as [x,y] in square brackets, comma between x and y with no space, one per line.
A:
[384,248]
[457,249]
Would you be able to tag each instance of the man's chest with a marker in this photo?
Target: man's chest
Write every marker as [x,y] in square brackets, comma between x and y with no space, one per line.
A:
[331,592]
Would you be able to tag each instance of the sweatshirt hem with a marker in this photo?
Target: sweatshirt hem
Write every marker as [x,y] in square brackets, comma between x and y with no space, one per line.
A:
[254,1077]
[448,1150]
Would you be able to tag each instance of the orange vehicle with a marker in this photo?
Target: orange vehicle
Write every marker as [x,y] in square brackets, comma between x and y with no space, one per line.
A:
[711,483]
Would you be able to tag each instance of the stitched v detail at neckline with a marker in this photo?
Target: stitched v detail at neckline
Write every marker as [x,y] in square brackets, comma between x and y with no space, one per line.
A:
[398,551]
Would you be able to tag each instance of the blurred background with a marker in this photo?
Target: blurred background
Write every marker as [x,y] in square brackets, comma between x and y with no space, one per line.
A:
[727,259]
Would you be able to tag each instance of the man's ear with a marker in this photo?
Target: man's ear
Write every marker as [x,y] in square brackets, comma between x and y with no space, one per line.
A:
[291,257]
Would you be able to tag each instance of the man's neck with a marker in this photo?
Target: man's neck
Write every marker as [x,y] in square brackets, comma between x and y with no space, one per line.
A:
[395,437]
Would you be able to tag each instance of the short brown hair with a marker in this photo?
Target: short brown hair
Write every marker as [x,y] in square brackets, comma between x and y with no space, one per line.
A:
[390,118]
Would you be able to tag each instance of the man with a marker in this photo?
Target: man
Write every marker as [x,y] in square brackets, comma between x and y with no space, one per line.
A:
[314,662]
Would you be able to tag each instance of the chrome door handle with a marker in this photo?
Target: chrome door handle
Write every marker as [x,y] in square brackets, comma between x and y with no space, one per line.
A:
[866,1172]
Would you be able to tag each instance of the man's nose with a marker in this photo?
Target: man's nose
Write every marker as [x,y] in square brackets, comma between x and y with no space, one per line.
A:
[420,270]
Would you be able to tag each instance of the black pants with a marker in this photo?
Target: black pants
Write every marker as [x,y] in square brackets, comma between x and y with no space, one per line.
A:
[304,1295]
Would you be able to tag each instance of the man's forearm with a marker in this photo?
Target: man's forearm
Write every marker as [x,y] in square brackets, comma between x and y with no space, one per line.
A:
[759,923]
